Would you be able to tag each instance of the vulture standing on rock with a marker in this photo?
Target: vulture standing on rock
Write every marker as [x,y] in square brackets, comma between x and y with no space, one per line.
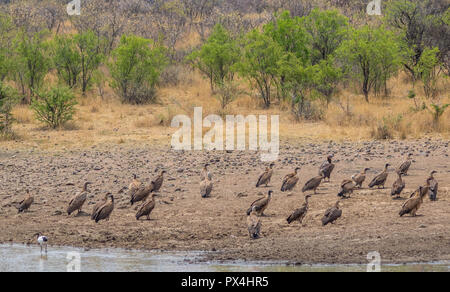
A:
[359,178]
[332,214]
[25,203]
[253,224]
[413,203]
[206,187]
[313,183]
[433,186]
[260,205]
[290,180]
[327,167]
[77,201]
[398,186]
[146,208]
[380,179]
[98,205]
[265,177]
[299,213]
[347,186]
[105,210]
[404,167]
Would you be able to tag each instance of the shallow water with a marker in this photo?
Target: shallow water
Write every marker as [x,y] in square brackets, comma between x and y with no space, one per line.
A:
[59,259]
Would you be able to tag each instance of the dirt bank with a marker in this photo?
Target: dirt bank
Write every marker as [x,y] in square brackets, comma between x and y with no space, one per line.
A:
[182,220]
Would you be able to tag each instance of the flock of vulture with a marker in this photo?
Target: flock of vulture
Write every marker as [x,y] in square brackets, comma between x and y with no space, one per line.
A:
[146,193]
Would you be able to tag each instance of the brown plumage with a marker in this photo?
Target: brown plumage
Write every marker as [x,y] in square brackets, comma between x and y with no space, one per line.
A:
[332,214]
[98,205]
[397,186]
[290,180]
[206,187]
[253,224]
[261,204]
[404,167]
[77,201]
[134,186]
[380,179]
[146,208]
[313,183]
[265,177]
[327,167]
[25,203]
[433,186]
[347,186]
[105,210]
[299,213]
[158,181]
[205,173]
[142,193]
[359,178]
[413,203]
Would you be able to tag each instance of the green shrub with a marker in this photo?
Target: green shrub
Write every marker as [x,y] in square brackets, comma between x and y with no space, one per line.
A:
[8,97]
[54,107]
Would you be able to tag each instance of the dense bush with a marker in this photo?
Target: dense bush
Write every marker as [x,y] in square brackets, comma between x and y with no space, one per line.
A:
[8,98]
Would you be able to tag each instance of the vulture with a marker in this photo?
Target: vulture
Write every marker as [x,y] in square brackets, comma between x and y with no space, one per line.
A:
[157,183]
[105,210]
[313,183]
[397,186]
[433,186]
[380,179]
[146,208]
[332,214]
[206,187]
[98,205]
[142,193]
[260,205]
[253,224]
[77,201]
[134,186]
[347,186]
[299,213]
[25,203]
[413,203]
[265,177]
[42,241]
[404,167]
[359,178]
[290,180]
[205,173]
[327,167]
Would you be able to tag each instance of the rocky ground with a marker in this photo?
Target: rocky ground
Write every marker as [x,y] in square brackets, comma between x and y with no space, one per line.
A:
[182,220]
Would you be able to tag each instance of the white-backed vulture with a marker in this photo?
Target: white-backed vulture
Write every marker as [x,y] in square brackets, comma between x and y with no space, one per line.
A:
[261,204]
[77,201]
[142,193]
[25,204]
[206,187]
[290,180]
[105,210]
[313,183]
[347,186]
[253,224]
[264,178]
[205,173]
[146,208]
[299,213]
[327,167]
[332,214]
[98,205]
[380,179]
[158,181]
[359,178]
[413,203]
[433,186]
[398,186]
[134,186]
[404,167]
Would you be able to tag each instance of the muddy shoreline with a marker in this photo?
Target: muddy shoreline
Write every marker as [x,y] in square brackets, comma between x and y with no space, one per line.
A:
[183,221]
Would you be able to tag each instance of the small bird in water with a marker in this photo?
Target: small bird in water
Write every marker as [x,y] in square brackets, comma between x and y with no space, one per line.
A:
[253,224]
[264,178]
[413,203]
[290,180]
[261,204]
[25,204]
[347,186]
[105,210]
[380,179]
[327,167]
[404,167]
[146,208]
[42,241]
[397,186]
[332,214]
[433,186]
[77,201]
[359,178]
[299,213]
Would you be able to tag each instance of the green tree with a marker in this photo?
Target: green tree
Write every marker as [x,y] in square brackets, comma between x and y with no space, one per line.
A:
[7,33]
[428,68]
[8,97]
[326,77]
[66,59]
[260,63]
[136,67]
[216,57]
